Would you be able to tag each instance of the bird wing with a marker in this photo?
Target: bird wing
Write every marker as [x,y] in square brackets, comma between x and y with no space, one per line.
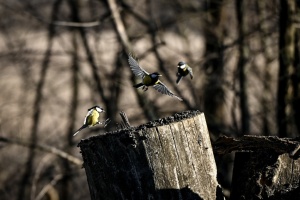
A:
[136,69]
[190,71]
[179,77]
[90,111]
[162,88]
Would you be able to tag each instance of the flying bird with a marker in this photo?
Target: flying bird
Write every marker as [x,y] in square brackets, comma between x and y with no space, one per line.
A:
[149,79]
[183,70]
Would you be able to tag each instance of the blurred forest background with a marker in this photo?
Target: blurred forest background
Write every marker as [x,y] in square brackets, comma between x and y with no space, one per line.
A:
[60,57]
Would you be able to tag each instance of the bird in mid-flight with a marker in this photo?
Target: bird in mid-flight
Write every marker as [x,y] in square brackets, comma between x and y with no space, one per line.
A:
[92,118]
[183,70]
[149,79]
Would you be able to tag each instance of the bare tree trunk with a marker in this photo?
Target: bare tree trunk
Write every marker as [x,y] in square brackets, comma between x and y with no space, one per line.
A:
[286,68]
[266,39]
[242,67]
[26,179]
[296,79]
[170,158]
[214,94]
[66,168]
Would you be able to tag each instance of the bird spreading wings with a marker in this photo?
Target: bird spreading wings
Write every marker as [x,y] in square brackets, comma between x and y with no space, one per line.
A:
[162,88]
[183,70]
[136,69]
[190,71]
[140,72]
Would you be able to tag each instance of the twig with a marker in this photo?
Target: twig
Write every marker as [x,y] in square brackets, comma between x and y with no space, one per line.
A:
[125,119]
[295,152]
[47,187]
[43,147]
[37,173]
[77,24]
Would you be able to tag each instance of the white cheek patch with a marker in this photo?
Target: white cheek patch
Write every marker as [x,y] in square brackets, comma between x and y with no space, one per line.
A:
[99,109]
[182,66]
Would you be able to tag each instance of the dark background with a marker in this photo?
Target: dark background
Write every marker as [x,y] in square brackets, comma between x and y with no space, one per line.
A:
[59,58]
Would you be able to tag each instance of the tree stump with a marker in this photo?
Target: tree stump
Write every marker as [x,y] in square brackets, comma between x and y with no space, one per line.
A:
[267,168]
[170,158]
[265,175]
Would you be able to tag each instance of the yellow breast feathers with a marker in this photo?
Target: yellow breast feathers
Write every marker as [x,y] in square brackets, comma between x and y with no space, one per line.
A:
[93,118]
[147,80]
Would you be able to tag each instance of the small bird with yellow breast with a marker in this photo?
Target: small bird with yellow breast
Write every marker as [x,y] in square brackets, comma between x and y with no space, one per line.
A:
[149,79]
[92,118]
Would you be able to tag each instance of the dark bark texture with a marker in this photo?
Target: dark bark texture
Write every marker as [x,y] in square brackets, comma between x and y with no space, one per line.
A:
[265,175]
[170,158]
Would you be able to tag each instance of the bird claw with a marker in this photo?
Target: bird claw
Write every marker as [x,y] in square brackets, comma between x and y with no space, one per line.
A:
[106,122]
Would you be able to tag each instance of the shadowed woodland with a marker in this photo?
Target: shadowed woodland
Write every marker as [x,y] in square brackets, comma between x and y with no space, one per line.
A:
[60,57]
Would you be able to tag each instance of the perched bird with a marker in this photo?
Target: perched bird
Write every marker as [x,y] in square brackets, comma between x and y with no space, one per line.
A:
[149,79]
[92,118]
[183,70]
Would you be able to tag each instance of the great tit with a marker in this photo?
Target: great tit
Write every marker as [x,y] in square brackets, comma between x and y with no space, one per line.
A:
[149,79]
[183,70]
[92,118]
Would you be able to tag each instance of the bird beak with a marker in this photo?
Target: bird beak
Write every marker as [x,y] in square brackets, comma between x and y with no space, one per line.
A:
[159,75]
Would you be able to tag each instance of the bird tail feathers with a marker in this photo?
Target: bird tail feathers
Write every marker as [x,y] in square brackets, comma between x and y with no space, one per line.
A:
[178,79]
[191,75]
[83,126]
[138,85]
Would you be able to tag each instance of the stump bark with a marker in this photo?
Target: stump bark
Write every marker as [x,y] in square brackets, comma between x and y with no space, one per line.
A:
[265,175]
[265,167]
[170,158]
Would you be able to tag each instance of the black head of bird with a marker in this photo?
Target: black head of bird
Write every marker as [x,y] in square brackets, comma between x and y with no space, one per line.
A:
[181,64]
[155,75]
[97,108]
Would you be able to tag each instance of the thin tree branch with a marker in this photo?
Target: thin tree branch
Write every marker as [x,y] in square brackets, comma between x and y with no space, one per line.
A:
[147,106]
[37,174]
[77,24]
[47,187]
[119,24]
[43,147]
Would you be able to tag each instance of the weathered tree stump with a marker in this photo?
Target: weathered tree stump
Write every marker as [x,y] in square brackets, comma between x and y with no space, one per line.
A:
[170,158]
[269,170]
[265,175]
